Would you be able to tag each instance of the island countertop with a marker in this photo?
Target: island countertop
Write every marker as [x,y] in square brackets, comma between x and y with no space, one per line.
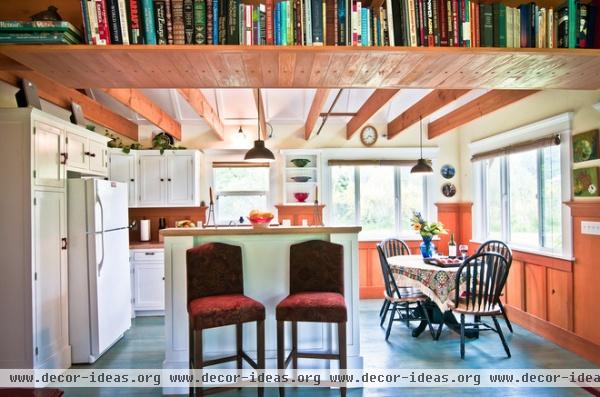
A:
[249,230]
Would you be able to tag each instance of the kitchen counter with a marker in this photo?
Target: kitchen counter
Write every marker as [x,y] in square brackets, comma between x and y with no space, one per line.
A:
[145,245]
[266,256]
[249,230]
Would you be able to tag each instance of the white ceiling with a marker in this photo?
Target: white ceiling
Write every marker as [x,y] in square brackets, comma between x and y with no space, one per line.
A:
[282,106]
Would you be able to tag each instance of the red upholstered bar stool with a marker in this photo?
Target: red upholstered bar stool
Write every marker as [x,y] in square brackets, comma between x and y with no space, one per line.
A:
[316,295]
[215,298]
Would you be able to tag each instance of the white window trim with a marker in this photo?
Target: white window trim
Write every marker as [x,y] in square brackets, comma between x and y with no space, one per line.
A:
[403,153]
[560,124]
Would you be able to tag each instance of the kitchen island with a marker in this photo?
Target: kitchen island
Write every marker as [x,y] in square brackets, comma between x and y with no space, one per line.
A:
[265,255]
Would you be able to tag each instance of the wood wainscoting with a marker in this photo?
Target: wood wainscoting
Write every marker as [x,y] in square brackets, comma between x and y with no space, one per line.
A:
[296,214]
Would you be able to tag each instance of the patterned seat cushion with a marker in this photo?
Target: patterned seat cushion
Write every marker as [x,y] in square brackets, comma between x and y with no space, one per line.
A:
[219,310]
[327,307]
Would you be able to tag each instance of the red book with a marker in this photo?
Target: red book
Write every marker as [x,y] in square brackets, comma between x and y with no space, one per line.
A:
[103,30]
[477,33]
[297,21]
[422,18]
[443,23]
[455,22]
[596,24]
[269,22]
[463,19]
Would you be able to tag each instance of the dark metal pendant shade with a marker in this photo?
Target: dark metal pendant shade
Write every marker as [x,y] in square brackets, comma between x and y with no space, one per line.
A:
[422,167]
[259,153]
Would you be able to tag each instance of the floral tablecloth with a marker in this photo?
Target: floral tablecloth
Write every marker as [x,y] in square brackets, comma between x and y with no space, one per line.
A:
[436,282]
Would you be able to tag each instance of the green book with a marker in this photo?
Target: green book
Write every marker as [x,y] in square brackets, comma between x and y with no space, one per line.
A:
[39,26]
[573,24]
[499,17]
[41,38]
[199,22]
[486,25]
[284,16]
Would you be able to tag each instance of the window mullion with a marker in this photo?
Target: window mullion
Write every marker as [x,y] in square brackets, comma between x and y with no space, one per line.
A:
[398,199]
[357,194]
[540,198]
[505,193]
[484,203]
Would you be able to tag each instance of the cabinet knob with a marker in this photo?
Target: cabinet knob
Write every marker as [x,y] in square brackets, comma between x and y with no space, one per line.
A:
[149,253]
[64,156]
[553,291]
[92,154]
[64,243]
[132,180]
[169,180]
[87,153]
[162,179]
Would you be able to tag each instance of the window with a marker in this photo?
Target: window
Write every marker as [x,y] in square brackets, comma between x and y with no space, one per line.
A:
[239,190]
[521,198]
[379,198]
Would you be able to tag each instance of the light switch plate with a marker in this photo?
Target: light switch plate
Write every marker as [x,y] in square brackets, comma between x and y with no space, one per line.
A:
[589,227]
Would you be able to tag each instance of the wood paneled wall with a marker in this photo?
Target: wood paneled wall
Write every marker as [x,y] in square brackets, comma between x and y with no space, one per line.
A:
[456,217]
[296,214]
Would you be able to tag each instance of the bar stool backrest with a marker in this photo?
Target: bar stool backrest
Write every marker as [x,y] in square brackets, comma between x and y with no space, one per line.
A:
[316,266]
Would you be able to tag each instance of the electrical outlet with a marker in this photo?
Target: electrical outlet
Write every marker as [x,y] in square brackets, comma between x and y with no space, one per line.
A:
[589,227]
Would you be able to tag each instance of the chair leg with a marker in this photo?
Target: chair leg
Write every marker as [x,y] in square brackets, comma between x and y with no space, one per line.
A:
[294,344]
[239,337]
[191,352]
[260,351]
[439,330]
[506,349]
[508,324]
[407,314]
[383,305]
[280,354]
[198,359]
[426,315]
[462,336]
[385,312]
[342,352]
[389,327]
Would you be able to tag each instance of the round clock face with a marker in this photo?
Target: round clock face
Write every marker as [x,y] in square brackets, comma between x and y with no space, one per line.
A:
[368,135]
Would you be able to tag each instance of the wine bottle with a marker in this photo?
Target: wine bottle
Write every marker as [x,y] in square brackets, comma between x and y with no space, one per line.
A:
[452,247]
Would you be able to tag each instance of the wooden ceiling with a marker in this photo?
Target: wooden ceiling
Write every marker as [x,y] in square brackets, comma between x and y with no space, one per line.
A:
[83,66]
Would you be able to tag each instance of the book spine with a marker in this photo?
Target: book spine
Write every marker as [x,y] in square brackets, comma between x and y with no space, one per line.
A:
[341,17]
[270,39]
[160,22]
[133,14]
[550,25]
[215,20]
[420,23]
[188,21]
[390,21]
[298,22]
[436,23]
[509,27]
[317,22]
[248,25]
[99,21]
[572,24]
[177,24]
[517,32]
[283,22]
[455,27]
[114,23]
[262,16]
[290,22]
[412,24]
[209,22]
[87,26]
[429,23]
[148,21]
[199,22]
[487,28]
[466,23]
[477,25]
[450,26]
[222,22]
[308,26]
[123,21]
[582,26]
[169,22]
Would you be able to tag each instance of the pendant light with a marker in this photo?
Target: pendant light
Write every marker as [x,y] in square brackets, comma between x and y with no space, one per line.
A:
[259,153]
[422,167]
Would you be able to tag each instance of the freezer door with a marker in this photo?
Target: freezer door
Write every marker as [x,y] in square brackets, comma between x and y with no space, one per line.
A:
[110,299]
[110,208]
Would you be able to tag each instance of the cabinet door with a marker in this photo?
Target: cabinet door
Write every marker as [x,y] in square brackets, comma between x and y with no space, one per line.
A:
[98,157]
[152,181]
[560,298]
[121,168]
[50,275]
[49,144]
[180,179]
[149,286]
[77,149]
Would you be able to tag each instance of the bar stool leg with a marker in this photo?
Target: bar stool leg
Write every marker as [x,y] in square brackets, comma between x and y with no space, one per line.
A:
[198,359]
[191,352]
[239,337]
[294,344]
[342,352]
[260,351]
[280,354]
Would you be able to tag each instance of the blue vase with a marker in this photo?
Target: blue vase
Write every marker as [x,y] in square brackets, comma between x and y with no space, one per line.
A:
[427,248]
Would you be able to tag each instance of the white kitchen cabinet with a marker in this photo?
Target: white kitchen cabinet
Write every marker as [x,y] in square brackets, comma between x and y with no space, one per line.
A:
[87,151]
[34,282]
[170,179]
[148,281]
[122,167]
[48,154]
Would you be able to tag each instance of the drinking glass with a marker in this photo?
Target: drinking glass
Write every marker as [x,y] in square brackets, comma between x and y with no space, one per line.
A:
[464,250]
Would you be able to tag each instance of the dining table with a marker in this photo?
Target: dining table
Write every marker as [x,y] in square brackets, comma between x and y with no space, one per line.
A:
[436,282]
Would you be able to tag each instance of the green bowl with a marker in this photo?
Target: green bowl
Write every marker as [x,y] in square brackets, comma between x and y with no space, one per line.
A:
[300,162]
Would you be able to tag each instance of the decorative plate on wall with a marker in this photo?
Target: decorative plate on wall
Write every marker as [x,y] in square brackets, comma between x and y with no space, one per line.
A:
[586,146]
[448,171]
[448,189]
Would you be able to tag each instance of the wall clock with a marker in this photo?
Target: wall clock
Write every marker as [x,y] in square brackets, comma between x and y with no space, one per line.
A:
[368,135]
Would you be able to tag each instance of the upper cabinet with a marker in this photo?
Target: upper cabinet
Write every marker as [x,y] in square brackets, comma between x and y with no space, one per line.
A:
[48,154]
[87,152]
[170,179]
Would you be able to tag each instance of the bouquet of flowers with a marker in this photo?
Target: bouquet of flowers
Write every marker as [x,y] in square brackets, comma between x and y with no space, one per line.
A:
[424,228]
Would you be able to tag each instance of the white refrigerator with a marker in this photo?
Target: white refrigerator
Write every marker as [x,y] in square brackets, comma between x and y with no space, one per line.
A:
[99,273]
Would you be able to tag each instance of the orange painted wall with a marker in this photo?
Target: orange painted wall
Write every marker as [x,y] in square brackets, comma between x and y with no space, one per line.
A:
[456,217]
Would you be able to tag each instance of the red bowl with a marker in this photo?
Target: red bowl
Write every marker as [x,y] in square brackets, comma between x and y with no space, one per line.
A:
[301,197]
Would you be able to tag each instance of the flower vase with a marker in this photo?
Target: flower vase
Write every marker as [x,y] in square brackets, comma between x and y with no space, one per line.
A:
[427,248]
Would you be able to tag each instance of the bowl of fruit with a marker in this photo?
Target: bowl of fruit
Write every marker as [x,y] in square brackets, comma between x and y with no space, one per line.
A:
[260,219]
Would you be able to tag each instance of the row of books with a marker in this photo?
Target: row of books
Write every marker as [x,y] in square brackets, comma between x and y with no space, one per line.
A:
[39,32]
[459,23]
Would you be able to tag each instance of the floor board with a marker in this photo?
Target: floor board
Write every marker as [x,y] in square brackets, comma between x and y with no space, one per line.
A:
[142,347]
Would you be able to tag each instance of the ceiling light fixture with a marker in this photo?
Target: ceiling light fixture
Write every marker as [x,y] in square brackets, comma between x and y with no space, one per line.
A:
[259,152]
[422,167]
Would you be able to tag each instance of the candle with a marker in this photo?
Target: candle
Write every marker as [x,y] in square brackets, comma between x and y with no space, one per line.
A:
[316,194]
[210,195]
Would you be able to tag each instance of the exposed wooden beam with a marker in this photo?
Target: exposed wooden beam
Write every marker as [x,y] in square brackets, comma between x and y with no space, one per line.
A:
[261,115]
[430,103]
[487,103]
[62,96]
[200,104]
[372,105]
[141,104]
[315,110]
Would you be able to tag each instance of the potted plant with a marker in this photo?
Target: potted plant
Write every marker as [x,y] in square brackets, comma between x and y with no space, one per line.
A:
[427,230]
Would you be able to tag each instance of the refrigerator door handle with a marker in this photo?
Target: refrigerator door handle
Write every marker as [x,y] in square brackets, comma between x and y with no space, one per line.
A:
[101,234]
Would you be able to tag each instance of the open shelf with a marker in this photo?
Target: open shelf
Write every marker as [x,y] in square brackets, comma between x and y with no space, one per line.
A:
[195,66]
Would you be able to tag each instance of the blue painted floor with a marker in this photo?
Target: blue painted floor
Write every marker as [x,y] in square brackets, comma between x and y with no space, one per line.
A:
[142,347]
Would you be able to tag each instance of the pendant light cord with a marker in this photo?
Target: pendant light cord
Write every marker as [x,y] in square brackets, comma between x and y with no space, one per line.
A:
[258,110]
[421,134]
